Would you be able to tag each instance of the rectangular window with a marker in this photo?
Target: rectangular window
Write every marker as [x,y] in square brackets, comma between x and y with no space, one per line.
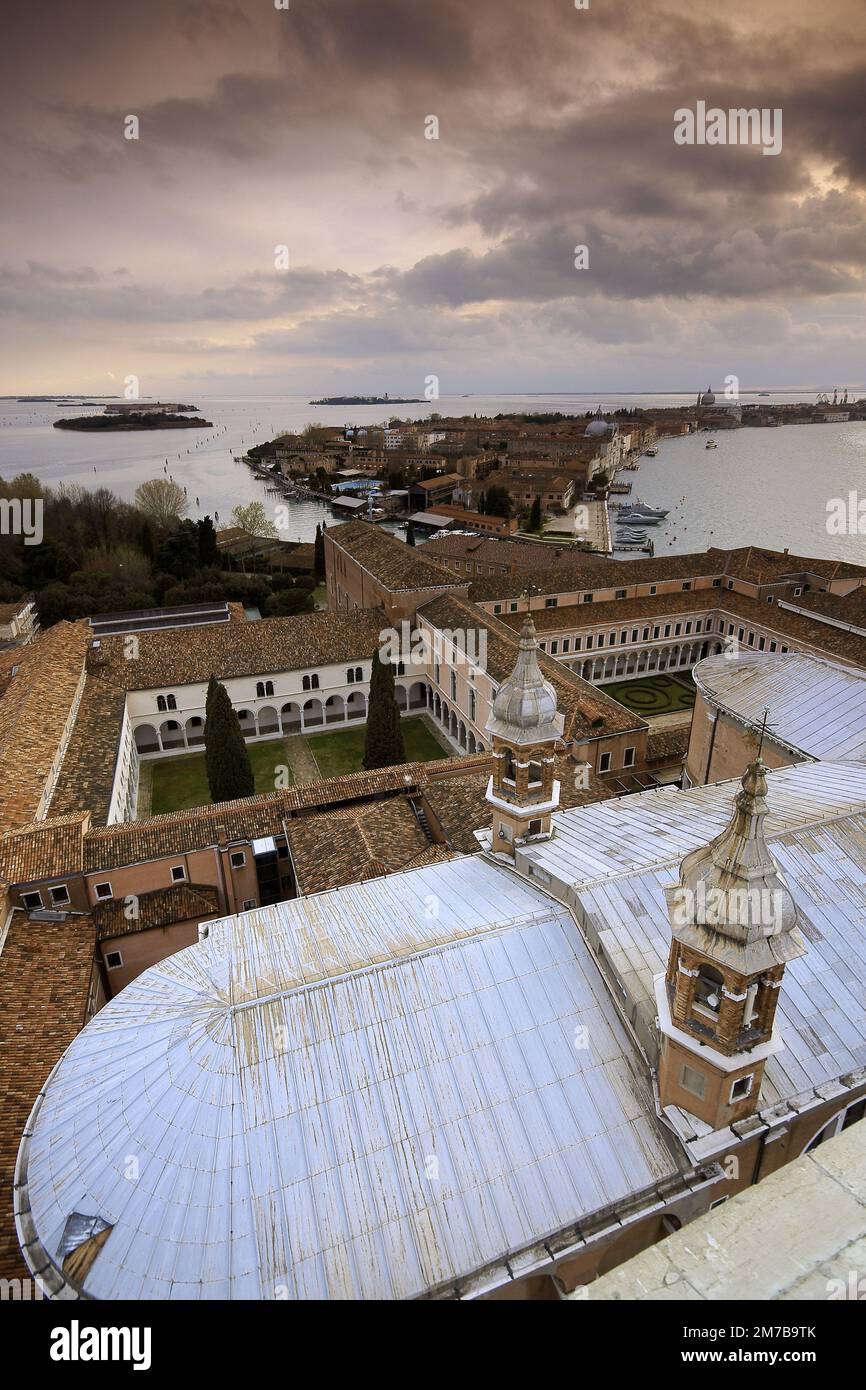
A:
[620,593]
[238,859]
[589,641]
[497,608]
[678,629]
[566,643]
[693,1081]
[717,583]
[742,1088]
[634,634]
[512,608]
[587,598]
[578,643]
[551,602]
[645,635]
[687,584]
[656,631]
[653,589]
[628,758]
[249,904]
[178,873]
[554,648]
[113,959]
[60,895]
[604,762]
[103,891]
[32,901]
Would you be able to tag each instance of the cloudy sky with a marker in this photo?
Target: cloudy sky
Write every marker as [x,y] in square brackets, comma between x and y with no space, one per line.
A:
[407,256]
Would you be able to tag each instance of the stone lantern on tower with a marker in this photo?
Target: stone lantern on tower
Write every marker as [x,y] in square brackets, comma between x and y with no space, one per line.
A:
[734,929]
[524,728]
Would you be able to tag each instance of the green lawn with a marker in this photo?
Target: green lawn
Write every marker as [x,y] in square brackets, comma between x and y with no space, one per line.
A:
[343,750]
[180,783]
[661,694]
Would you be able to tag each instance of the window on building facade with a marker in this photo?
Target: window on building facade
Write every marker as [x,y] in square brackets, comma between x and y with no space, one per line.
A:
[178,873]
[472,705]
[103,890]
[238,859]
[113,960]
[454,685]
[628,758]
[693,1081]
[60,895]
[554,648]
[32,901]
[742,1087]
[551,602]
[604,762]
[566,643]
[165,702]
[512,607]
[587,598]
[310,682]
[620,593]
[708,990]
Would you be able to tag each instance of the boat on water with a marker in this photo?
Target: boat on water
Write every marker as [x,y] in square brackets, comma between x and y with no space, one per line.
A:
[651,453]
[711,444]
[641,510]
[634,517]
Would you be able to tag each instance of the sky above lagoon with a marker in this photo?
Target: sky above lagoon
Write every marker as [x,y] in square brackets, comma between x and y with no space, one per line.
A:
[283,222]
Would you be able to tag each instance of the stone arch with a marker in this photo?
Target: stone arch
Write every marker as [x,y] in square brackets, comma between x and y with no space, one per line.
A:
[247,721]
[195,731]
[313,716]
[268,721]
[401,698]
[418,695]
[290,718]
[335,710]
[171,734]
[147,739]
[356,705]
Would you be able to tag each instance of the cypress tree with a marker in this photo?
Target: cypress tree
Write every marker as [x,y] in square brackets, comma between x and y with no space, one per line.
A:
[535,515]
[229,772]
[410,533]
[319,555]
[384,741]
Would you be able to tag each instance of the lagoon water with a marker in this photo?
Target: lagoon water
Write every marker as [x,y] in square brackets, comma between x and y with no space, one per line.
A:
[760,486]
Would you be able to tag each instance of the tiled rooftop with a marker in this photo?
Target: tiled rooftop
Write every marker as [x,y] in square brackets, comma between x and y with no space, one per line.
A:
[45,976]
[396,565]
[191,655]
[87,775]
[34,711]
[178,903]
[50,849]
[354,844]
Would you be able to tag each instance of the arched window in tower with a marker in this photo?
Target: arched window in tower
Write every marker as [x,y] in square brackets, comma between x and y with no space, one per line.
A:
[535,774]
[509,771]
[708,990]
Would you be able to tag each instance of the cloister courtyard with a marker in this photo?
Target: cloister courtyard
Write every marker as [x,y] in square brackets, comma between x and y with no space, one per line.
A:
[179,783]
[655,695]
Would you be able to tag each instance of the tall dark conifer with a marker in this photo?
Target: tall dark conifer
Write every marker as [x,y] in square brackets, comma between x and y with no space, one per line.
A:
[384,742]
[229,772]
[319,555]
[410,533]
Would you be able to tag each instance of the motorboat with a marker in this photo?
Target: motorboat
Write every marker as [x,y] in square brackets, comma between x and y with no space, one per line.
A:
[640,509]
[711,444]
[640,519]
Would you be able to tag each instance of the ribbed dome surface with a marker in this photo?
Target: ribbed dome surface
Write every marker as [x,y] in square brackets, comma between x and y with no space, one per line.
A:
[524,710]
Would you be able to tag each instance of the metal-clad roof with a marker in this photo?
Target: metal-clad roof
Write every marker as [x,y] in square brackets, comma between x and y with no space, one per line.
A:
[368,1093]
[816,706]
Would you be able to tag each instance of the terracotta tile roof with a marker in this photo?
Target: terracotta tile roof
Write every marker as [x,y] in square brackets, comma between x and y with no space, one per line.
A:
[181,902]
[190,655]
[749,563]
[484,550]
[842,608]
[567,616]
[50,849]
[45,979]
[589,713]
[441,480]
[8,611]
[87,774]
[396,565]
[349,845]
[599,573]
[34,712]
[835,641]
[668,745]
[460,805]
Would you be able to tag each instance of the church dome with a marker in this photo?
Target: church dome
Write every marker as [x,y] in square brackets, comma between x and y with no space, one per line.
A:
[524,710]
[597,428]
[707,398]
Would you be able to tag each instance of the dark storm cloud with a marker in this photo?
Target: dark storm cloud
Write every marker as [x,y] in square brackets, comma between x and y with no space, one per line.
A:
[556,129]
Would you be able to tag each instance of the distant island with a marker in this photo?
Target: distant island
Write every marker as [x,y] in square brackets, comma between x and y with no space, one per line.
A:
[133,420]
[368,400]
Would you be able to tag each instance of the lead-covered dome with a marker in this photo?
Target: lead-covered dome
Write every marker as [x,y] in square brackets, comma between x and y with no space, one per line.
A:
[524,710]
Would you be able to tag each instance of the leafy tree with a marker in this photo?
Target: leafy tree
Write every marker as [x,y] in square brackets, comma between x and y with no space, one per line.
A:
[383,746]
[208,550]
[499,502]
[319,554]
[535,515]
[229,772]
[179,552]
[288,602]
[163,501]
[253,519]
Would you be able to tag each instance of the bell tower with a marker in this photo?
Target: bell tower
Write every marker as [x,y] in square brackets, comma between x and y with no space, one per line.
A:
[734,929]
[524,727]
